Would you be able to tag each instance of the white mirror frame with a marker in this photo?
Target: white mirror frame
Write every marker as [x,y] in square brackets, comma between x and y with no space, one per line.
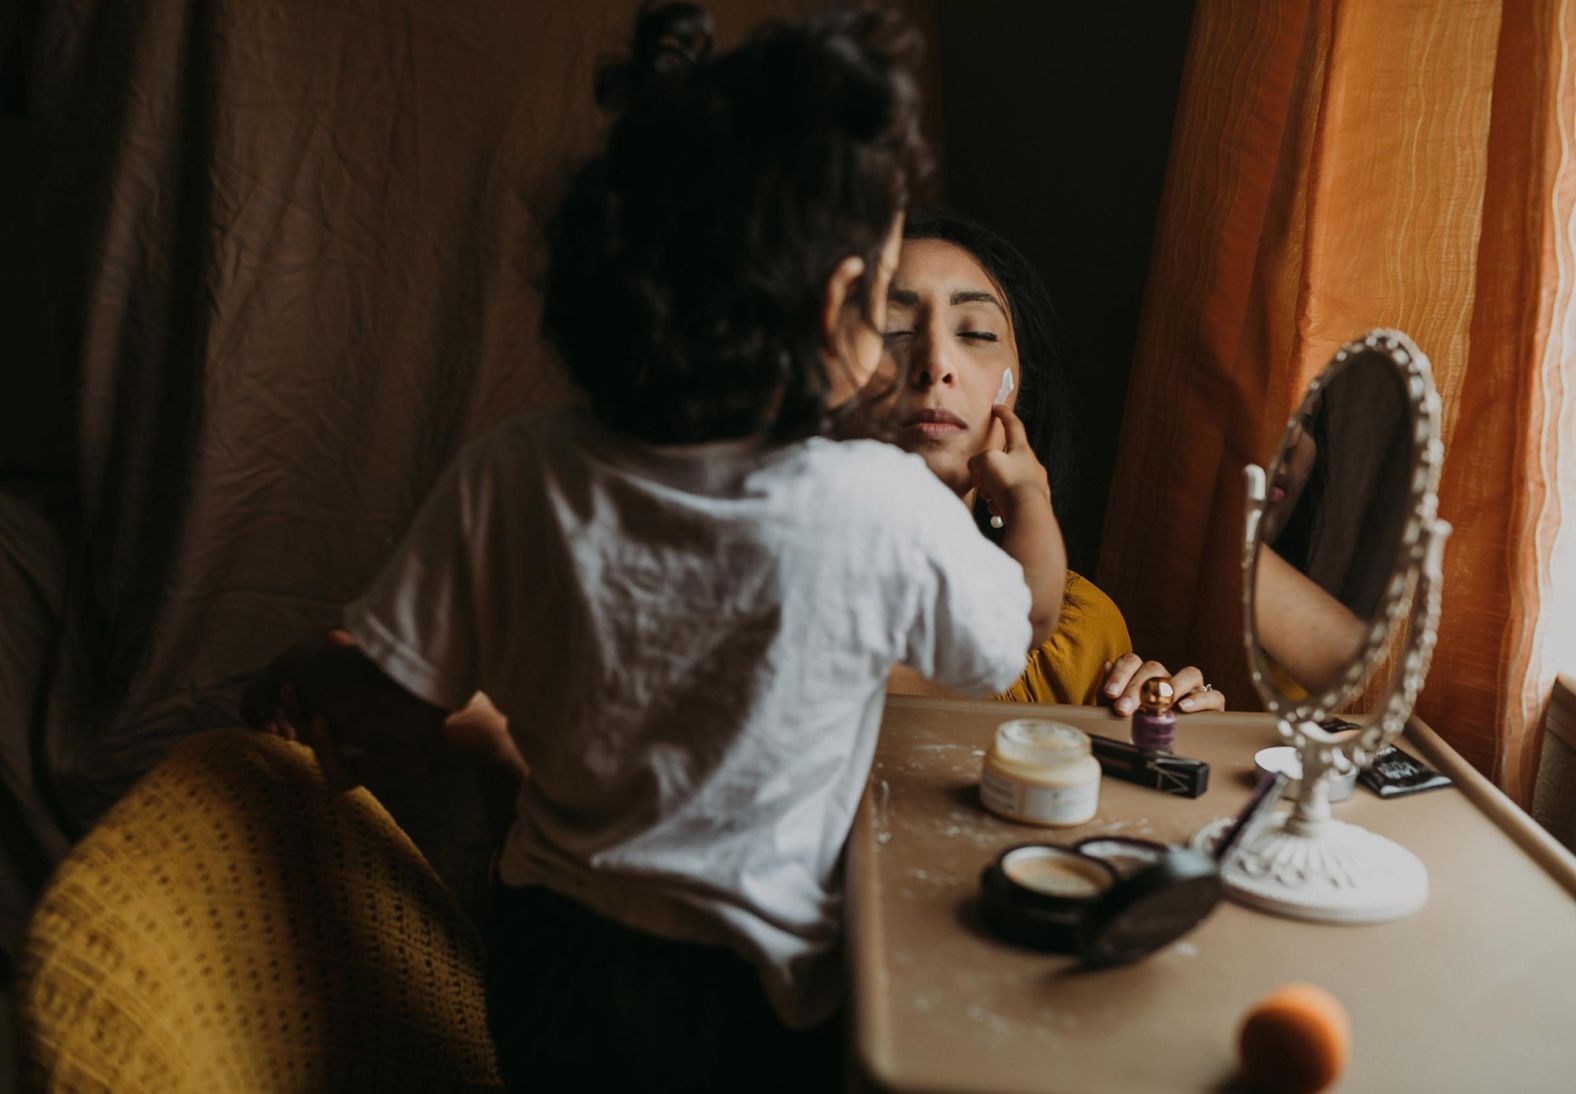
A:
[1303,863]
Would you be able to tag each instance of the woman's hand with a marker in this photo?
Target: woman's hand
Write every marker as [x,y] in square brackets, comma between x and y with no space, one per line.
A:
[1125,676]
[1008,472]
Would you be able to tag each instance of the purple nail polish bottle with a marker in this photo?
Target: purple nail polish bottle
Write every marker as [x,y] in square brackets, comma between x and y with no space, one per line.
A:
[1154,726]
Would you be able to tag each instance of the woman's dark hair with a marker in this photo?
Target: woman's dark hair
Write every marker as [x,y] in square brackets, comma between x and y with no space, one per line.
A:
[1297,537]
[688,261]
[1042,400]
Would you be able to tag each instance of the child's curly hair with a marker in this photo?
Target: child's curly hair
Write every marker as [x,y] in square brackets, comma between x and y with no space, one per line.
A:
[688,260]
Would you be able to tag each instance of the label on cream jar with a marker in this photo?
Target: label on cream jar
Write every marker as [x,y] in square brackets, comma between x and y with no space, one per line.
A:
[1038,804]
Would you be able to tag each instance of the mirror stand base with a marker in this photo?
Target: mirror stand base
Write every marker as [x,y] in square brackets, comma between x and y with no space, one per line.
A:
[1343,874]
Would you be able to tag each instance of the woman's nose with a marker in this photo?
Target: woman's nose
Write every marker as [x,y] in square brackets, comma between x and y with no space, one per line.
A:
[930,365]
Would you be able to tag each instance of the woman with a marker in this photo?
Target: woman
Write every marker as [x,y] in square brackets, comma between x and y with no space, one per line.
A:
[971,325]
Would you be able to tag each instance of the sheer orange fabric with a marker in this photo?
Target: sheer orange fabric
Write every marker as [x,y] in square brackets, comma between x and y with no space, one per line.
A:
[1338,166]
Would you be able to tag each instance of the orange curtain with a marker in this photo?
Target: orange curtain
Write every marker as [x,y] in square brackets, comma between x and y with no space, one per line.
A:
[1338,166]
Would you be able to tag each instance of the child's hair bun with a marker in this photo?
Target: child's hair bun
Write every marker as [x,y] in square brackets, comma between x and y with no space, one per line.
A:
[669,38]
[864,96]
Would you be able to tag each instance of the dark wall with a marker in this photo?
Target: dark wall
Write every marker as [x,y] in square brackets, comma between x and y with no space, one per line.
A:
[35,414]
[1056,119]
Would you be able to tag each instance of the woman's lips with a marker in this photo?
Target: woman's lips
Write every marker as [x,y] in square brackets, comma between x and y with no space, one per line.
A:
[934,423]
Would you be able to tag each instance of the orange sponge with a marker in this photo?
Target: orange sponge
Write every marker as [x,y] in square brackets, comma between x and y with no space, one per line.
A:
[1296,1040]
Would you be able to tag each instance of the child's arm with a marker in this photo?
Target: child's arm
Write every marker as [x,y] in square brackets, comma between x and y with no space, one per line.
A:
[327,693]
[903,680]
[1015,484]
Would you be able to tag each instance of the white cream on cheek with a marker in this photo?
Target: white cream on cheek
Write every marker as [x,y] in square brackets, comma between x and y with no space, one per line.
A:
[1006,386]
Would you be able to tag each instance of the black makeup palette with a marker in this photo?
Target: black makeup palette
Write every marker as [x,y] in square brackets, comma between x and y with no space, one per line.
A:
[1109,900]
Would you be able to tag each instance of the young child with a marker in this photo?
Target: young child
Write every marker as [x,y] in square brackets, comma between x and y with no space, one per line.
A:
[685,596]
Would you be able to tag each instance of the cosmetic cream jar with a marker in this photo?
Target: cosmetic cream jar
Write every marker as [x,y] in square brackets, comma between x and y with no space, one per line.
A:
[1284,759]
[1040,772]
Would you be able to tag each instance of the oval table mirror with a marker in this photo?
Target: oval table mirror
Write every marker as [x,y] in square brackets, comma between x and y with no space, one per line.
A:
[1341,599]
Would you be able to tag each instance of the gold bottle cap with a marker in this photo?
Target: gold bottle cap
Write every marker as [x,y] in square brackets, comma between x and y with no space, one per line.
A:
[1156,695]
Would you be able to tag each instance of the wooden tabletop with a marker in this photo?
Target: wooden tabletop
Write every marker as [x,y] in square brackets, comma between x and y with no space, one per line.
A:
[1475,992]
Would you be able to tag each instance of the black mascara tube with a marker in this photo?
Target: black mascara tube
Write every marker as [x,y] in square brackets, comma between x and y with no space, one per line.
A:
[1162,771]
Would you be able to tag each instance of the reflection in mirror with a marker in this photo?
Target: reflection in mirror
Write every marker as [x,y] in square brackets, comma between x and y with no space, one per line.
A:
[1337,507]
[1308,636]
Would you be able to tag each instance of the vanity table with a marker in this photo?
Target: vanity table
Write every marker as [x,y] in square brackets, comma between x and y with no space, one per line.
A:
[1476,991]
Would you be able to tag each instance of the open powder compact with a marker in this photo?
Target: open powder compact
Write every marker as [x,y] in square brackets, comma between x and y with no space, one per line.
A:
[1109,900]
[1038,894]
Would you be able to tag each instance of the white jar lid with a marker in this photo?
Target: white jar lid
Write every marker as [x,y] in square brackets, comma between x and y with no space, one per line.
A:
[1036,742]
[1283,759]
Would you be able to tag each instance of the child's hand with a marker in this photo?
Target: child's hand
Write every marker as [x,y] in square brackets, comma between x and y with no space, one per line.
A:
[273,704]
[269,703]
[1007,473]
[324,693]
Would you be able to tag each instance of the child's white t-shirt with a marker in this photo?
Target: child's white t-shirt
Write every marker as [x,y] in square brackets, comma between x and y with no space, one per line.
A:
[692,646]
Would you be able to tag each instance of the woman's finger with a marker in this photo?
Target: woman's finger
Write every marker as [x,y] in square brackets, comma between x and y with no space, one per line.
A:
[1192,695]
[1213,699]
[1119,672]
[1130,694]
[1186,680]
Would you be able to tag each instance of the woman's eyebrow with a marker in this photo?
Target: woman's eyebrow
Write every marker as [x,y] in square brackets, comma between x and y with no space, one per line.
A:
[908,298]
[977,296]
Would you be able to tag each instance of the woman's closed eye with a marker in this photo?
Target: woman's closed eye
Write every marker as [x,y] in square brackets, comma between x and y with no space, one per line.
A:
[977,336]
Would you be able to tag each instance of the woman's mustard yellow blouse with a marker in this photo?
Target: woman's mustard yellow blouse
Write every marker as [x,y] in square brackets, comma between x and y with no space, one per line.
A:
[1068,666]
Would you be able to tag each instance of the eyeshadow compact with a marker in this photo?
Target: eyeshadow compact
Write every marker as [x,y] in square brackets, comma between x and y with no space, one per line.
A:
[1038,894]
[1109,900]
[1125,854]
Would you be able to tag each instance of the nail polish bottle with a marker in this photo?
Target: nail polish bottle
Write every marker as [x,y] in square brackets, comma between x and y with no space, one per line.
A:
[1154,726]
